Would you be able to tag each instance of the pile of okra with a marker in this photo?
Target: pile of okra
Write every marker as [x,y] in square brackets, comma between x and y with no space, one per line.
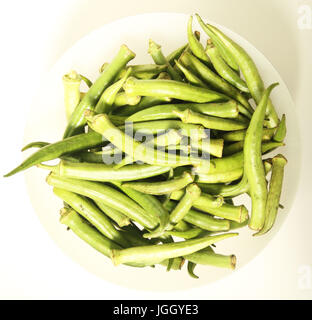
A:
[201,124]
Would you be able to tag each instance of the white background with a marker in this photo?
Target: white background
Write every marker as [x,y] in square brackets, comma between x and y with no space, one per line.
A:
[34,34]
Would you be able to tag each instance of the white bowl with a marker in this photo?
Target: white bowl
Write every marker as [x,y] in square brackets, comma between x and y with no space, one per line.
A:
[47,123]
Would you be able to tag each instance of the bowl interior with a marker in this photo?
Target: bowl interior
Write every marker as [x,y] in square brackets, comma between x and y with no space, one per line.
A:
[46,122]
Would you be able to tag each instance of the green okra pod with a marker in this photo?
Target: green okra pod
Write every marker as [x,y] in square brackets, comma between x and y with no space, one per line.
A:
[104,172]
[144,71]
[90,235]
[165,111]
[216,82]
[210,258]
[192,193]
[154,50]
[149,255]
[253,166]
[171,89]
[225,71]
[188,116]
[163,187]
[91,213]
[190,76]
[240,135]
[274,195]
[71,84]
[77,121]
[224,51]
[121,219]
[108,195]
[248,68]
[85,231]
[280,133]
[122,99]
[175,55]
[216,206]
[195,46]
[36,144]
[200,220]
[108,97]
[188,234]
[57,149]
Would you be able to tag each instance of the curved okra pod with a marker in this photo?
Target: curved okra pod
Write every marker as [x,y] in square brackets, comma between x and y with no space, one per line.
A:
[224,70]
[104,172]
[154,50]
[195,46]
[121,219]
[107,99]
[207,203]
[234,161]
[190,269]
[144,71]
[210,258]
[139,151]
[144,103]
[224,51]
[90,235]
[36,144]
[57,149]
[280,133]
[200,220]
[205,199]
[188,234]
[122,99]
[216,82]
[163,187]
[87,81]
[85,231]
[240,135]
[91,213]
[175,55]
[249,70]
[253,167]
[77,121]
[232,190]
[71,85]
[149,255]
[222,110]
[192,193]
[108,195]
[274,195]
[188,116]
[190,76]
[233,148]
[150,204]
[159,126]
[218,177]
[171,89]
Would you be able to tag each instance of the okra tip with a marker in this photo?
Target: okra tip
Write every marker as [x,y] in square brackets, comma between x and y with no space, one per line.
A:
[127,51]
[152,46]
[193,190]
[243,214]
[72,76]
[233,261]
[279,159]
[89,114]
[115,254]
